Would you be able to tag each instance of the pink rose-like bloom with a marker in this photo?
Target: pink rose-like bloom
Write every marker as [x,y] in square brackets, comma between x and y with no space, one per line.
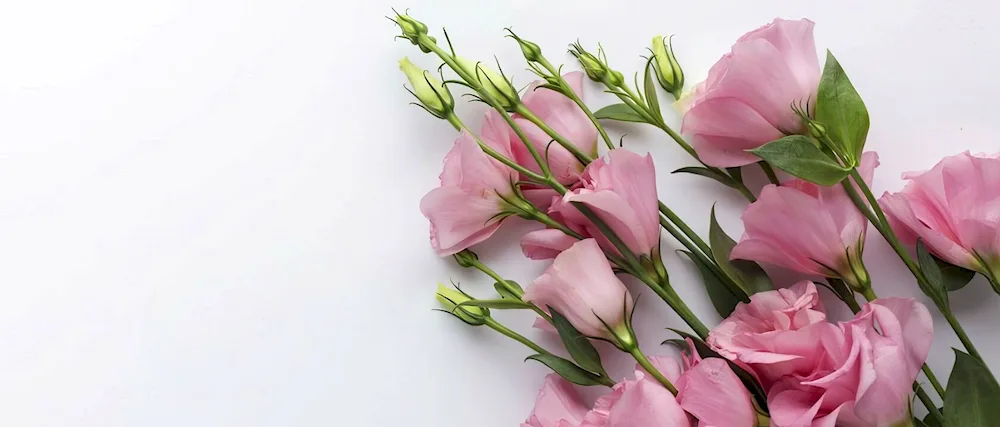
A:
[559,113]
[581,286]
[746,100]
[808,228]
[955,209]
[620,188]
[820,374]
[464,210]
[557,405]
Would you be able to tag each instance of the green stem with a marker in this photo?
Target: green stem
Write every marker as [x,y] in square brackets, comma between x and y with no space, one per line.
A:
[676,220]
[882,225]
[771,176]
[478,265]
[568,91]
[648,366]
[547,220]
[929,404]
[496,326]
[666,292]
[459,125]
[565,143]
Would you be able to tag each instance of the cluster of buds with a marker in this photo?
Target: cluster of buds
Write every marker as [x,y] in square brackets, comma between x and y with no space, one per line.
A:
[596,66]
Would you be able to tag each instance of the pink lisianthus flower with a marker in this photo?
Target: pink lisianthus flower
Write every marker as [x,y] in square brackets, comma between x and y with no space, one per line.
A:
[809,229]
[820,374]
[468,206]
[746,100]
[620,188]
[955,209]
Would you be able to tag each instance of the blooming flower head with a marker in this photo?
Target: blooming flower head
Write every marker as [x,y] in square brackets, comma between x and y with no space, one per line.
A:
[955,209]
[808,228]
[746,100]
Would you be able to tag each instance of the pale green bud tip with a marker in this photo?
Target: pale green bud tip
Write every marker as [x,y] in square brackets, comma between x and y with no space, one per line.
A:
[451,298]
[411,27]
[430,91]
[668,71]
[531,51]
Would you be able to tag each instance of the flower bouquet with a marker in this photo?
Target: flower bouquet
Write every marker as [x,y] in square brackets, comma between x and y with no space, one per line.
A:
[776,358]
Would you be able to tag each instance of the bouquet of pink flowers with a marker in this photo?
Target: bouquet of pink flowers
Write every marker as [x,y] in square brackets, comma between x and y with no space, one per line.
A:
[775,359]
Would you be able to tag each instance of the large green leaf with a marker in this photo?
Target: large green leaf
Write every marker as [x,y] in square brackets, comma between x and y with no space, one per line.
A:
[746,274]
[797,155]
[841,110]
[620,112]
[578,345]
[973,395]
[566,369]
[722,297]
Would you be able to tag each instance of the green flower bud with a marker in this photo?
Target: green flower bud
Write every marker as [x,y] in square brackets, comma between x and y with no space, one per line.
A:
[497,86]
[531,51]
[450,300]
[466,258]
[433,94]
[595,70]
[412,28]
[668,71]
[816,129]
[615,78]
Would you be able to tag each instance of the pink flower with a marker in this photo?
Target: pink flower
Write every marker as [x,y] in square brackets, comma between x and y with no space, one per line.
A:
[955,209]
[820,374]
[808,228]
[746,100]
[642,402]
[563,116]
[468,207]
[581,286]
[557,405]
[712,392]
[545,244]
[621,189]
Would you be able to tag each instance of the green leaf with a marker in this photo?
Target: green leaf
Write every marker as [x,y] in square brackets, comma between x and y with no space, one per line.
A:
[722,297]
[736,173]
[506,294]
[566,369]
[973,394]
[578,345]
[935,286]
[930,421]
[797,155]
[620,112]
[840,108]
[708,173]
[499,304]
[746,274]
[756,389]
[955,277]
[652,100]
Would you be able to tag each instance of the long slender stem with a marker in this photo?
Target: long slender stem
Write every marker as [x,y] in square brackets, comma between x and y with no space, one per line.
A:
[929,404]
[666,292]
[459,125]
[648,366]
[506,285]
[496,326]
[897,246]
[565,143]
[769,171]
[676,220]
[568,91]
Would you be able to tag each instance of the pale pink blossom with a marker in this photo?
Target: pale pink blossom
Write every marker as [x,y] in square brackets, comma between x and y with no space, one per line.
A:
[581,286]
[620,188]
[468,206]
[712,392]
[819,374]
[955,209]
[557,405]
[642,402]
[746,100]
[808,228]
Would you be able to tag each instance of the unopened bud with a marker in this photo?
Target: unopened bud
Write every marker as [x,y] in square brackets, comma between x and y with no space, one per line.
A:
[492,82]
[433,94]
[451,300]
[412,28]
[595,70]
[816,129]
[466,258]
[531,51]
[615,78]
[668,70]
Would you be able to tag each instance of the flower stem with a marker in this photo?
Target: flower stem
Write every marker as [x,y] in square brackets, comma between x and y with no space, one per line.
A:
[478,265]
[523,110]
[648,366]
[769,171]
[459,125]
[882,224]
[568,91]
[688,232]
[666,292]
[929,404]
[496,326]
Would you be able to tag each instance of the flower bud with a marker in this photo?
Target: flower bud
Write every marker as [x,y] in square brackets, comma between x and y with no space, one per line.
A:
[816,129]
[668,71]
[412,28]
[595,70]
[433,94]
[531,51]
[451,300]
[466,258]
[493,83]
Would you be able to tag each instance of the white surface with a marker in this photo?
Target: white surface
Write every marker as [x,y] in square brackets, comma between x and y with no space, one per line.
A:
[208,209]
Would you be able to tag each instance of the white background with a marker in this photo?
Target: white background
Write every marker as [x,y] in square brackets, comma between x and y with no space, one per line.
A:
[208,209]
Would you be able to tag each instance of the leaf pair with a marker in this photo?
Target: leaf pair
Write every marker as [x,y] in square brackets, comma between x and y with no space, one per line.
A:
[588,369]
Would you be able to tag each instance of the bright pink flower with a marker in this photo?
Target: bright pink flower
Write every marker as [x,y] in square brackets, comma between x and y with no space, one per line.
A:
[581,286]
[563,116]
[819,374]
[746,100]
[808,228]
[642,402]
[467,208]
[557,405]
[620,188]
[955,209]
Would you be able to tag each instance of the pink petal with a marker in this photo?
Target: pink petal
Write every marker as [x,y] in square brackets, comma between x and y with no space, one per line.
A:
[557,402]
[713,393]
[545,244]
[459,219]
